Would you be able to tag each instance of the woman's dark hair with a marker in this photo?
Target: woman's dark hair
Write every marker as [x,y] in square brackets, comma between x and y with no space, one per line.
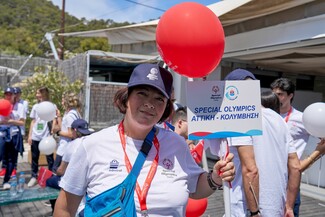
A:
[45,93]
[270,100]
[121,98]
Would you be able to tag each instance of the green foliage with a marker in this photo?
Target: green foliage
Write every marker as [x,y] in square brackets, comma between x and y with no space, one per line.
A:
[23,24]
[54,80]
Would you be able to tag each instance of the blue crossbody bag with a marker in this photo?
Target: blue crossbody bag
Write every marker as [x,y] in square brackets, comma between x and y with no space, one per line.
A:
[119,200]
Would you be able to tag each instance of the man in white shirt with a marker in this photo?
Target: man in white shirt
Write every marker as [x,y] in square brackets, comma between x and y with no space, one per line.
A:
[264,160]
[24,103]
[285,90]
[80,128]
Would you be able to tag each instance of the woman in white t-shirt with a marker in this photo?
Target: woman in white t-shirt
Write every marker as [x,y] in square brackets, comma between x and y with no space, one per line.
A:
[100,161]
[38,130]
[62,126]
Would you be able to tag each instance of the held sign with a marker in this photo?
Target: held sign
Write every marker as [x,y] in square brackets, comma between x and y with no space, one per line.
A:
[219,109]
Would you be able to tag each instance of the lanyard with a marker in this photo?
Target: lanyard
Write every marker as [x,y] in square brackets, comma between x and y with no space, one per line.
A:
[288,115]
[142,194]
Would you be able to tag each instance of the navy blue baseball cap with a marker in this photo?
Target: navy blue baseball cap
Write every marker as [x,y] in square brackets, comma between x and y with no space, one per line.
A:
[81,126]
[9,90]
[239,74]
[17,90]
[152,75]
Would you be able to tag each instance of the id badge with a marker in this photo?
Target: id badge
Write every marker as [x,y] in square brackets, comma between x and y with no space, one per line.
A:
[40,126]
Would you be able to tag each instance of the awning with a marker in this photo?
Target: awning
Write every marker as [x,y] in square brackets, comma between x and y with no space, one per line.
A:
[146,31]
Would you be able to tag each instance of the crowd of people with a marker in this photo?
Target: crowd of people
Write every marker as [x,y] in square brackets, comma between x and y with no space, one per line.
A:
[265,171]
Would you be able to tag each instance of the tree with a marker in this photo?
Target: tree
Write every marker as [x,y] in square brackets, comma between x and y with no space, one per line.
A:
[55,81]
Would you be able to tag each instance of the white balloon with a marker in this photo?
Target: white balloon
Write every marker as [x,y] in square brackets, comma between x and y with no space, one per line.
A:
[46,111]
[313,119]
[47,145]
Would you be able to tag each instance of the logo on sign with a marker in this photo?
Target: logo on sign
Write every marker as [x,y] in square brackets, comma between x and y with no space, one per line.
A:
[232,92]
[216,95]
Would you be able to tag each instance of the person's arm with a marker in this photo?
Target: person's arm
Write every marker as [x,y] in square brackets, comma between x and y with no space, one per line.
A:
[67,134]
[61,170]
[293,182]
[227,173]
[313,157]
[57,122]
[250,176]
[67,204]
[58,126]
[32,123]
[20,122]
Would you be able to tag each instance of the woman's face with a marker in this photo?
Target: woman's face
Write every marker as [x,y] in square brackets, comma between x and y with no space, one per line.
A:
[9,96]
[146,105]
[39,97]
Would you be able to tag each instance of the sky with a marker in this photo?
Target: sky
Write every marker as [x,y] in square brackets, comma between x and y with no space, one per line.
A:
[132,11]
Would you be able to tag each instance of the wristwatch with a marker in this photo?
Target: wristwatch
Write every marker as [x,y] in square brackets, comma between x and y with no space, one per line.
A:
[255,213]
[213,185]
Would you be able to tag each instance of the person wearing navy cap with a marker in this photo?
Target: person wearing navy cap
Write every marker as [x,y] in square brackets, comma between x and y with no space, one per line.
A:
[8,95]
[80,128]
[13,145]
[104,159]
[24,103]
[253,188]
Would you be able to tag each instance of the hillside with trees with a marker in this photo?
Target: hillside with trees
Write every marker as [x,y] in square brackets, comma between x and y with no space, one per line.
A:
[23,24]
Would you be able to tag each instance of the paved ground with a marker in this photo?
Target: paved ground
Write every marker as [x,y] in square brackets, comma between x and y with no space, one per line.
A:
[309,208]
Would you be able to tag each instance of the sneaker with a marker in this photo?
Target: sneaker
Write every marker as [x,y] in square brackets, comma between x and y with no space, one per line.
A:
[6,186]
[14,172]
[32,182]
[3,172]
[47,203]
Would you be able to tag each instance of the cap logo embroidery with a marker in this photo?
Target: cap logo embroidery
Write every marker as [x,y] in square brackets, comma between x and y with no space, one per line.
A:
[153,74]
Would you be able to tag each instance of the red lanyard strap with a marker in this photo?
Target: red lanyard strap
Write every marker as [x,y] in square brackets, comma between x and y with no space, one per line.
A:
[142,194]
[288,115]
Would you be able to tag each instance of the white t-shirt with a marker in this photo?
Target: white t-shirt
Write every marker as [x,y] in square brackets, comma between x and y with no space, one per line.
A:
[67,120]
[271,155]
[237,194]
[98,165]
[297,130]
[25,106]
[73,145]
[40,128]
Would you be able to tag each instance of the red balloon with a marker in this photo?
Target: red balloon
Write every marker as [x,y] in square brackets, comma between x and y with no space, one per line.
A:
[5,107]
[196,208]
[190,39]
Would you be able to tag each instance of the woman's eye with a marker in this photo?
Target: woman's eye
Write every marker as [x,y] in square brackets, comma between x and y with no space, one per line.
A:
[142,93]
[160,99]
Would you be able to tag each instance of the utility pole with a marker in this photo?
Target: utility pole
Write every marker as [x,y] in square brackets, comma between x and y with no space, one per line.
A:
[62,30]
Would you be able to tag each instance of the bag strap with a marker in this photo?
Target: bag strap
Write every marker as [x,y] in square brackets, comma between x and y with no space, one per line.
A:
[145,148]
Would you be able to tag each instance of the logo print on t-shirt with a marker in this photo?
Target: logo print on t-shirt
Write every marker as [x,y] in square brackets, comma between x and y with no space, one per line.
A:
[113,164]
[168,164]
